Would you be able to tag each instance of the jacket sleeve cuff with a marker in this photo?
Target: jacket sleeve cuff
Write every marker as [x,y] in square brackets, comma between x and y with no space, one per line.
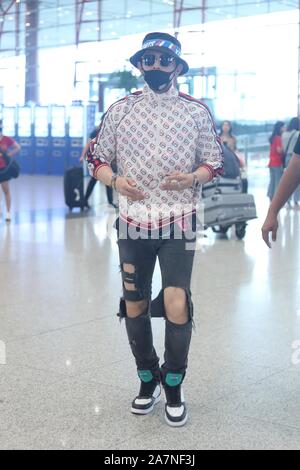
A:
[212,171]
[97,166]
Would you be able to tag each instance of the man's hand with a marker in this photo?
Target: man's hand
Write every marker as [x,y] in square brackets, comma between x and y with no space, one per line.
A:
[270,225]
[127,187]
[177,182]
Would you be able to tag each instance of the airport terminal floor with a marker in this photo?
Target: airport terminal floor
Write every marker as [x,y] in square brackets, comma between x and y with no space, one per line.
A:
[68,377]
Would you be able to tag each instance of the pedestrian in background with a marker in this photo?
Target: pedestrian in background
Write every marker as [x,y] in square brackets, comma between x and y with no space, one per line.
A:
[8,149]
[92,183]
[275,159]
[229,140]
[226,136]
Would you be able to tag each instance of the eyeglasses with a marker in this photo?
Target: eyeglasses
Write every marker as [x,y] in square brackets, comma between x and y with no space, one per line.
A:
[165,60]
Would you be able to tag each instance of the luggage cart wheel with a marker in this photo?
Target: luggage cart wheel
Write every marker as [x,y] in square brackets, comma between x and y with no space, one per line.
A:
[222,229]
[240,230]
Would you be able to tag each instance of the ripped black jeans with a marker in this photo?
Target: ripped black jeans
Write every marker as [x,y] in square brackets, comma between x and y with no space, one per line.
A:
[176,258]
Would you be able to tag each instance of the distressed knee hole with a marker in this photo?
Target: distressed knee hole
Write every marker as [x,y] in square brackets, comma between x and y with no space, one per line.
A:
[135,309]
[129,277]
[175,297]
[128,268]
[178,305]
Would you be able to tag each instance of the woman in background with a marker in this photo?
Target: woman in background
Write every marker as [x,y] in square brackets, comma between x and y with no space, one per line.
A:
[226,136]
[230,141]
[275,160]
[8,148]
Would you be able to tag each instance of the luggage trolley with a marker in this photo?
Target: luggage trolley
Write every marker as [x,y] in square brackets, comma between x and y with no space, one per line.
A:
[225,203]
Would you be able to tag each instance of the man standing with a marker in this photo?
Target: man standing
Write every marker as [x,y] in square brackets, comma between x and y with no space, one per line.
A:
[165,146]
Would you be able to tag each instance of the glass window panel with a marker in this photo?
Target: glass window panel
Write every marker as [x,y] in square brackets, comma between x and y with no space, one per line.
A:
[9,121]
[58,121]
[41,118]
[24,121]
[76,122]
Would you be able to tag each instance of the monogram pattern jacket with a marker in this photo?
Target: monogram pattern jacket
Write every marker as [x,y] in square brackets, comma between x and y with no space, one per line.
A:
[151,135]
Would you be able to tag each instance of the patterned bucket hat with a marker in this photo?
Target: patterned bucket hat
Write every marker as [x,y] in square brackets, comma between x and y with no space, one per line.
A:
[161,42]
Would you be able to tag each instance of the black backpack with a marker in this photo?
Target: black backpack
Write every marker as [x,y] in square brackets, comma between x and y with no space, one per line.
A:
[231,167]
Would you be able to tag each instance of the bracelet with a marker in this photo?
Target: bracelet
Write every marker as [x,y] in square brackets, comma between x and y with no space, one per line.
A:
[195,181]
[113,181]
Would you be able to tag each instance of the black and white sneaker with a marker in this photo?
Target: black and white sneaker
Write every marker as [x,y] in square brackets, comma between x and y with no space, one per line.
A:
[175,409]
[176,413]
[149,394]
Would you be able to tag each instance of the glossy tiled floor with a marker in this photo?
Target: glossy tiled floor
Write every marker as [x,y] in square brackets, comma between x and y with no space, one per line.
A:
[67,378]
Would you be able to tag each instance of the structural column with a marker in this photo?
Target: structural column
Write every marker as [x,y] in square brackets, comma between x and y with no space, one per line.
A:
[31,52]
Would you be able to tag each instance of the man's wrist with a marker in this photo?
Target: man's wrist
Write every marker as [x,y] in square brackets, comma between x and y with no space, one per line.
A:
[113,181]
[273,212]
[195,181]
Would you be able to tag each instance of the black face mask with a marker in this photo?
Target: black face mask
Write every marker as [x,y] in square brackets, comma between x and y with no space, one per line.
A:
[157,79]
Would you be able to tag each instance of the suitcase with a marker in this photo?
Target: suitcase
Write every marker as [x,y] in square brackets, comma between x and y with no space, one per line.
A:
[73,188]
[222,185]
[228,209]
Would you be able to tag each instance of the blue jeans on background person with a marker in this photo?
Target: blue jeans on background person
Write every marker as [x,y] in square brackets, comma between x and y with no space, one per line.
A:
[275,175]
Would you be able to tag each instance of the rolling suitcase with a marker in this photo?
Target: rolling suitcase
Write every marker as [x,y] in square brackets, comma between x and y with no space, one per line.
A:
[73,188]
[227,209]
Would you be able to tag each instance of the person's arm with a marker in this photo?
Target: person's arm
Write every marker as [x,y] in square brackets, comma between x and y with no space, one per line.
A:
[209,151]
[279,150]
[15,148]
[279,146]
[203,174]
[288,183]
[210,158]
[123,185]
[179,181]
[99,154]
